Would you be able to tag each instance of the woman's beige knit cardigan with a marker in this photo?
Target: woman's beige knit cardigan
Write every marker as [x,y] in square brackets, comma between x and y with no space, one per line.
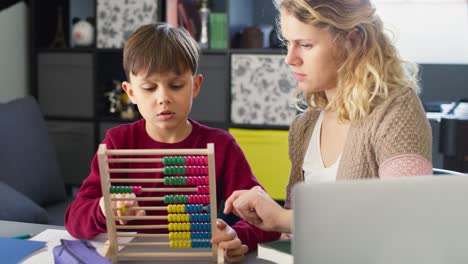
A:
[396,127]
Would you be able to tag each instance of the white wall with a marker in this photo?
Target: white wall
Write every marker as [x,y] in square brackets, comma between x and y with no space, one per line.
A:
[13,52]
[428,31]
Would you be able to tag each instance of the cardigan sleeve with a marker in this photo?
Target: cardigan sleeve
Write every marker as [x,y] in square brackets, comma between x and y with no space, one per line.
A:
[403,139]
[291,143]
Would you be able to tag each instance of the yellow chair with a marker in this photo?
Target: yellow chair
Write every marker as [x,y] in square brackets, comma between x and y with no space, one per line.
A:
[267,154]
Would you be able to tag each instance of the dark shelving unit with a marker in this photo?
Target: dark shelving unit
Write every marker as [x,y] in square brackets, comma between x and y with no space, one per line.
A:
[70,82]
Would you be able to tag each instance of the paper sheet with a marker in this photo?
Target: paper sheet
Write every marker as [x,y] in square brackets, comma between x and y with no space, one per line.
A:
[53,236]
[13,250]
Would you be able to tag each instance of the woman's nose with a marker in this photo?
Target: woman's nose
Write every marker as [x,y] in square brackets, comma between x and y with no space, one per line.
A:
[291,57]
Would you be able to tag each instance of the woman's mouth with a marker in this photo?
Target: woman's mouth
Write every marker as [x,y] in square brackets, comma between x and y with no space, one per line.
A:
[299,76]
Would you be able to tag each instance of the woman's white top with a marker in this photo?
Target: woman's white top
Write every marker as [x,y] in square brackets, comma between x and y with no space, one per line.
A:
[313,167]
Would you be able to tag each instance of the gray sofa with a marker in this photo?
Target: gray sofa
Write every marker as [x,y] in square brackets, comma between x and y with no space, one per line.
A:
[31,187]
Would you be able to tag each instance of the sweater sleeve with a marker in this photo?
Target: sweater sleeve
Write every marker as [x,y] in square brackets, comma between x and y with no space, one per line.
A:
[403,138]
[84,218]
[237,175]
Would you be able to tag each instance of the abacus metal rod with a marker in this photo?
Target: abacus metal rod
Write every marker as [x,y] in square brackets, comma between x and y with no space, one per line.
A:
[127,227]
[154,208]
[136,180]
[157,152]
[164,254]
[139,199]
[134,160]
[141,235]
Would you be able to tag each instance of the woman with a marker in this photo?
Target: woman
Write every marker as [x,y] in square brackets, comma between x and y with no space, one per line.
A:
[363,117]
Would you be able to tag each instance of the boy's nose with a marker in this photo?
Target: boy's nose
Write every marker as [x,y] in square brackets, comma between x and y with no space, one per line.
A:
[164,101]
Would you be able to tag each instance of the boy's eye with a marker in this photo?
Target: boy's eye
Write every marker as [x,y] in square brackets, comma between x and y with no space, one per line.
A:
[307,46]
[177,86]
[148,88]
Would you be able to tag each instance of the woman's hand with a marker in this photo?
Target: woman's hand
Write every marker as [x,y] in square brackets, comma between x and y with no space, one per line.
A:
[124,206]
[257,208]
[226,238]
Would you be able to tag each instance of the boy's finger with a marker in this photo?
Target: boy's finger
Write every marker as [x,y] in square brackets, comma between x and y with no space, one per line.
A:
[140,212]
[220,224]
[242,250]
[230,244]
[220,236]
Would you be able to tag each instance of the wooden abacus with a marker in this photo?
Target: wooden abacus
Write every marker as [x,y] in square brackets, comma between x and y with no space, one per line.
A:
[195,234]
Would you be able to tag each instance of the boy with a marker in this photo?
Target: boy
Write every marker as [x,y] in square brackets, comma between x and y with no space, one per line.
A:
[160,62]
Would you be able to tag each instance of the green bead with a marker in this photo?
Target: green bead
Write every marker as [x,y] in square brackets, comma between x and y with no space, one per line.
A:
[183,181]
[164,160]
[166,180]
[181,160]
[185,199]
[129,189]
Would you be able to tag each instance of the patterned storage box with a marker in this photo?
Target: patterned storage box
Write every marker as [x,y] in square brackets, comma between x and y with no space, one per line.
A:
[261,87]
[117,19]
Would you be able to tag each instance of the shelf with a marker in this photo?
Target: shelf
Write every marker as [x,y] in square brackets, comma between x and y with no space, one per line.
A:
[67,50]
[69,118]
[116,119]
[258,51]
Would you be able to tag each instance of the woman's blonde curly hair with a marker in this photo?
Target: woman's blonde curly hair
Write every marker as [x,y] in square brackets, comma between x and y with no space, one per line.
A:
[371,68]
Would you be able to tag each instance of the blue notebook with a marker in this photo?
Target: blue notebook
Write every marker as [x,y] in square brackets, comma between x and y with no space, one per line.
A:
[14,250]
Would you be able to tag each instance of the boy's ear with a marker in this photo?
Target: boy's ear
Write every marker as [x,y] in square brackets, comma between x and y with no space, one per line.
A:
[127,87]
[197,83]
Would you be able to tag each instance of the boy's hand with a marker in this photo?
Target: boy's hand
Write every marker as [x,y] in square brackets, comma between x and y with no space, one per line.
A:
[123,206]
[226,238]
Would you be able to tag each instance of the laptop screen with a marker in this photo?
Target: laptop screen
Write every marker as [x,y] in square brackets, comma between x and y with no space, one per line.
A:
[402,220]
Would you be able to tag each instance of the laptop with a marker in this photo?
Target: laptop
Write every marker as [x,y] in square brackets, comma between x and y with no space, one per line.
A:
[403,220]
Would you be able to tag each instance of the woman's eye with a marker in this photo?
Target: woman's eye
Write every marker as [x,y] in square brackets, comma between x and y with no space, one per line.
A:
[149,88]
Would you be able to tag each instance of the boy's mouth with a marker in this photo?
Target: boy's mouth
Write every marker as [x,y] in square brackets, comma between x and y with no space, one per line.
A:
[166,115]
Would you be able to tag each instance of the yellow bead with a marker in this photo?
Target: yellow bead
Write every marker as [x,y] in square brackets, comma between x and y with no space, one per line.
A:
[172,244]
[123,209]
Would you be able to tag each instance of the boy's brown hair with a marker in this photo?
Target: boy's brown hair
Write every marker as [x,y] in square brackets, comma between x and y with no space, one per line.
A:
[160,48]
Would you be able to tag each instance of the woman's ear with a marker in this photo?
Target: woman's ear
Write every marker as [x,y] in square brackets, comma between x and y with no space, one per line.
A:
[127,87]
[352,39]
[197,83]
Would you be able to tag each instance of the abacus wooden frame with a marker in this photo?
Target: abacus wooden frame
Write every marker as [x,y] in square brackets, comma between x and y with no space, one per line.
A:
[113,252]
